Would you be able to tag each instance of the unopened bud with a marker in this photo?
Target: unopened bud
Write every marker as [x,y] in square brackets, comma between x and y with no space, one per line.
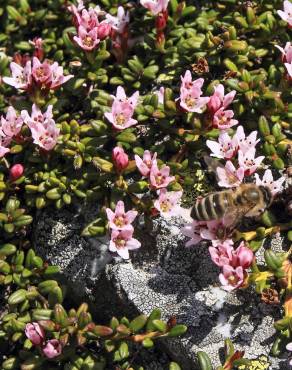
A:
[120,159]
[16,171]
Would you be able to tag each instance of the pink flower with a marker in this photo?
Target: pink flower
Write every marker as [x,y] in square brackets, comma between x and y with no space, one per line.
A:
[42,126]
[120,220]
[10,125]
[245,143]
[120,22]
[52,348]
[223,253]
[225,147]
[123,110]
[155,6]
[286,15]
[213,230]
[16,171]
[35,333]
[229,176]
[21,76]
[37,42]
[120,158]
[193,231]
[190,94]
[274,185]
[122,241]
[223,119]
[57,76]
[219,100]
[41,72]
[87,40]
[159,178]
[242,256]
[144,165]
[248,161]
[167,203]
[232,278]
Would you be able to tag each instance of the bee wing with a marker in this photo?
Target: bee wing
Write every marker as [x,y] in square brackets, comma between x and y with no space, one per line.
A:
[232,216]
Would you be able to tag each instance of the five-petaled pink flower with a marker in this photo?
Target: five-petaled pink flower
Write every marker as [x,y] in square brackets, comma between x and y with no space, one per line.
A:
[35,333]
[144,165]
[190,94]
[87,40]
[21,76]
[223,119]
[286,15]
[167,202]
[274,185]
[160,178]
[244,143]
[119,219]
[52,348]
[120,158]
[155,6]
[226,147]
[10,125]
[232,278]
[229,176]
[248,161]
[122,241]
[219,100]
[123,110]
[42,126]
[287,57]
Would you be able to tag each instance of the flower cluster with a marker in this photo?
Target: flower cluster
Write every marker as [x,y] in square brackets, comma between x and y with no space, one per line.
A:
[36,75]
[36,334]
[91,30]
[120,223]
[159,179]
[190,94]
[240,145]
[122,110]
[10,127]
[42,126]
[234,262]
[221,118]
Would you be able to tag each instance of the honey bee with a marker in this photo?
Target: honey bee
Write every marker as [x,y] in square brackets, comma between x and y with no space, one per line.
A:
[247,200]
[231,205]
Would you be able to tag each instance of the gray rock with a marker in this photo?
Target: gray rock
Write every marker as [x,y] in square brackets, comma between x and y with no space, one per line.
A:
[163,273]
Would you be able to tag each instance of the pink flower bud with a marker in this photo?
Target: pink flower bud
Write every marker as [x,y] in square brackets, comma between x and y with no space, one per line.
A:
[103,30]
[52,348]
[35,333]
[16,171]
[244,256]
[120,158]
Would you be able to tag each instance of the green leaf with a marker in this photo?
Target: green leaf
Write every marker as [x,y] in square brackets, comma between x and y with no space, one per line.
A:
[138,323]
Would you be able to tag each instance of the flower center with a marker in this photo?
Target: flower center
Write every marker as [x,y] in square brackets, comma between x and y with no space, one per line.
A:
[165,206]
[88,41]
[120,119]
[159,179]
[120,243]
[190,102]
[119,221]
